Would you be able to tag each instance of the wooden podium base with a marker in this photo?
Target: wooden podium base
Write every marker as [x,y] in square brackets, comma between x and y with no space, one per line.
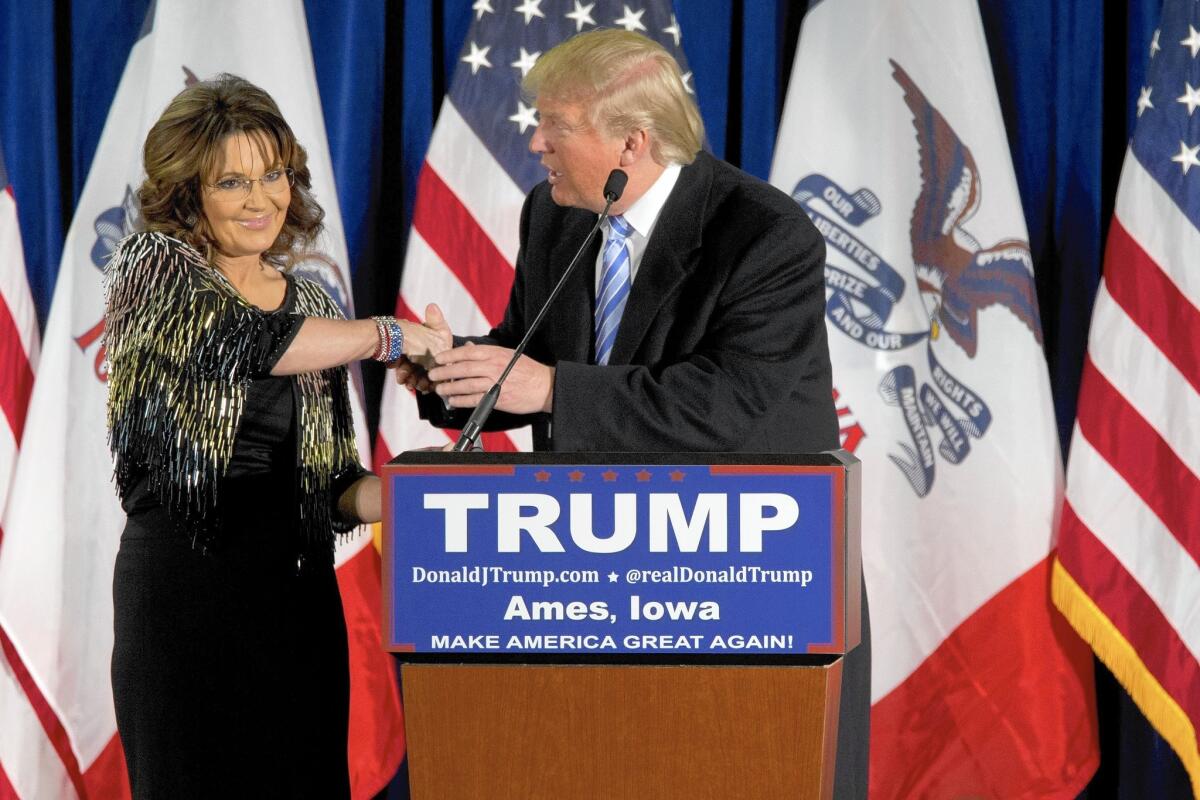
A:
[529,732]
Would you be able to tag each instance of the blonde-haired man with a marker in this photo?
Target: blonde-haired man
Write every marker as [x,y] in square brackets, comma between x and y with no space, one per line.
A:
[697,324]
[718,340]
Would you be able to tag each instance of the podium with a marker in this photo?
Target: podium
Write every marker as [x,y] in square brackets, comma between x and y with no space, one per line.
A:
[621,625]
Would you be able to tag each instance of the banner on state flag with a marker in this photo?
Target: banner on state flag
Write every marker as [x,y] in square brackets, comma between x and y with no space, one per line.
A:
[63,525]
[1127,574]
[463,244]
[893,143]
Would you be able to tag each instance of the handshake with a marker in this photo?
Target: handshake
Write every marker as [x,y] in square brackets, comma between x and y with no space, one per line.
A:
[461,376]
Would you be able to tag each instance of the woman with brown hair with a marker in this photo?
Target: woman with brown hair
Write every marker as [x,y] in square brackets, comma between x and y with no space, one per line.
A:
[230,425]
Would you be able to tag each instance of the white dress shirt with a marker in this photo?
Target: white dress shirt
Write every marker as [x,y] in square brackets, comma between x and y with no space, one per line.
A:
[642,217]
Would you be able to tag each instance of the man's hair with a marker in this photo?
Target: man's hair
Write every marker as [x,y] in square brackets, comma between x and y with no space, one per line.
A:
[627,83]
[186,145]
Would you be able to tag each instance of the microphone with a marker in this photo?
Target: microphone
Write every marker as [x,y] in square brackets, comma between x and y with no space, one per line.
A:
[614,187]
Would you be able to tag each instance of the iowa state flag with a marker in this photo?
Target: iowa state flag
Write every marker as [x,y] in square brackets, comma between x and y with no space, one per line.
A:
[1127,574]
[64,522]
[892,141]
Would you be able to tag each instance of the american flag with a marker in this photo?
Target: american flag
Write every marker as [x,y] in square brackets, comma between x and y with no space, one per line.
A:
[18,337]
[1127,575]
[464,240]
[18,355]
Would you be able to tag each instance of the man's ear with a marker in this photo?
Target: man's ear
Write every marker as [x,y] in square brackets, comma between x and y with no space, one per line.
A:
[637,147]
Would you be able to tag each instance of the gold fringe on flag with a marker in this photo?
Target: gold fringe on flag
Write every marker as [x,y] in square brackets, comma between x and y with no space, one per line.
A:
[1123,661]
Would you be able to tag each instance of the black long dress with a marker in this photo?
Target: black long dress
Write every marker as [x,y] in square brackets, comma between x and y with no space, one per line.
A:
[229,666]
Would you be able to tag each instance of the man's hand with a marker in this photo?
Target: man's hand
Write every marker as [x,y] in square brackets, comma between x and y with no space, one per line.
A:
[410,375]
[464,375]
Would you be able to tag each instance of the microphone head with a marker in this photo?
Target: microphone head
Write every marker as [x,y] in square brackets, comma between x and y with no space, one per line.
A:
[615,185]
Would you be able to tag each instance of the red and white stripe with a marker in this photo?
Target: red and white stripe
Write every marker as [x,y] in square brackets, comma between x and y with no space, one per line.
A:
[462,249]
[37,758]
[1131,522]
[18,342]
[24,763]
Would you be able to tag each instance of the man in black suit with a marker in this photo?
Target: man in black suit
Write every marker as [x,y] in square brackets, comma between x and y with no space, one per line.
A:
[721,345]
[698,323]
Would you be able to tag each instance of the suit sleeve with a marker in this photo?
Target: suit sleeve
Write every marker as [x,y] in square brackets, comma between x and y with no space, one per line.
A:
[765,344]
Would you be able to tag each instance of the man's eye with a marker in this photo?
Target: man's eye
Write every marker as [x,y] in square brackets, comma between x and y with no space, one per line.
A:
[229,184]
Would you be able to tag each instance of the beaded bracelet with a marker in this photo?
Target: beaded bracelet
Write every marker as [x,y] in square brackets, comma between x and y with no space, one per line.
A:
[391,339]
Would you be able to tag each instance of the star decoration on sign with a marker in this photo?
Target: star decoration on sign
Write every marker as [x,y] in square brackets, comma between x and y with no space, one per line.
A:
[612,577]
[575,475]
[1192,42]
[1154,45]
[582,15]
[673,30]
[632,21]
[1143,101]
[608,475]
[1190,98]
[481,7]
[642,475]
[525,117]
[676,475]
[1187,157]
[525,63]
[477,57]
[530,8]
[541,476]
[687,82]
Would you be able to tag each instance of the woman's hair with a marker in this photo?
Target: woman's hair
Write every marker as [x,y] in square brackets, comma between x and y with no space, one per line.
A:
[185,148]
[626,82]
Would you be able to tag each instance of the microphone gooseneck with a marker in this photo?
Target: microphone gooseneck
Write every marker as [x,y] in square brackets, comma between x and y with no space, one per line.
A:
[614,187]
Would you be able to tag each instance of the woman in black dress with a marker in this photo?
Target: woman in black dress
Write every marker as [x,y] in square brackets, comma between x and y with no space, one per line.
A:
[229,421]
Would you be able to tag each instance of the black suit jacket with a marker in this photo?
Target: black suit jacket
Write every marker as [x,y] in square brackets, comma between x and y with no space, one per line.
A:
[722,345]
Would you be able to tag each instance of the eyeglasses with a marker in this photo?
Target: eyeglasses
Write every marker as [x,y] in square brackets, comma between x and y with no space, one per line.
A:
[272,182]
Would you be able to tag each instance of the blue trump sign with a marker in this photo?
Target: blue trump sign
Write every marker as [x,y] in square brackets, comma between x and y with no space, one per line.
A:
[615,559]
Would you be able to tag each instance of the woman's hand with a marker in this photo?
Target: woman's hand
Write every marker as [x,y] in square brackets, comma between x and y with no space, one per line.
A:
[423,342]
[363,500]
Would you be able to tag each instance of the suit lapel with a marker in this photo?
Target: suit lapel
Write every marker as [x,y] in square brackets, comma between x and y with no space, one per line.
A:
[668,258]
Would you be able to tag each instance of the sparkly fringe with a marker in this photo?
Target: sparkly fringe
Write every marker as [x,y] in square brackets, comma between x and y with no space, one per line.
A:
[182,346]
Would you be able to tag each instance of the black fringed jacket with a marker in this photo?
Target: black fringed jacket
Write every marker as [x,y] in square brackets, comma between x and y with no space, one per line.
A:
[182,347]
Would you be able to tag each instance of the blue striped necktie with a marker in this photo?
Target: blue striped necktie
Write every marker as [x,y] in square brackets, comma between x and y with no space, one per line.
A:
[614,287]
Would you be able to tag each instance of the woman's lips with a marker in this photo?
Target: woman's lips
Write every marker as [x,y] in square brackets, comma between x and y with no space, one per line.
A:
[255,224]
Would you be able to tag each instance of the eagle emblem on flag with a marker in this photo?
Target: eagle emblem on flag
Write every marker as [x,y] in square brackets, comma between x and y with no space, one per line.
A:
[955,276]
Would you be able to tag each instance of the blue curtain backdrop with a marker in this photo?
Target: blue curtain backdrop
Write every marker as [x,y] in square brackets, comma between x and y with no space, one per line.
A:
[1067,73]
